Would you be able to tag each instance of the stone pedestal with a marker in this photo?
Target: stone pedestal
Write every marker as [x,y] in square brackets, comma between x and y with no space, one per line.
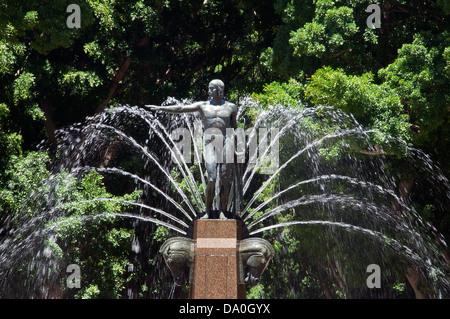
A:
[216,271]
[217,262]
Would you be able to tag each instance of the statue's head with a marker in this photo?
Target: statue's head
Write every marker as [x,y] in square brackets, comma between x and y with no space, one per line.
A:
[216,87]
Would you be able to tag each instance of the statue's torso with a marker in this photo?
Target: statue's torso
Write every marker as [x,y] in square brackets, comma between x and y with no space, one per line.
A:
[217,116]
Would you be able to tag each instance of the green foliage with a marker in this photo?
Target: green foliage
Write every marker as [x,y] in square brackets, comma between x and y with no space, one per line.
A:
[418,77]
[91,236]
[394,83]
[87,233]
[26,176]
[313,40]
[10,142]
[161,234]
[80,82]
[376,107]
[334,33]
[288,94]
[400,287]
[255,292]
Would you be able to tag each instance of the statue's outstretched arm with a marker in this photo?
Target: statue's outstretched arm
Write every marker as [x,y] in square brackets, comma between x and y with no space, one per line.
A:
[176,108]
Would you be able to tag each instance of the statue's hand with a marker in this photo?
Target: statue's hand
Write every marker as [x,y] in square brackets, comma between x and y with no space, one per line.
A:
[153,107]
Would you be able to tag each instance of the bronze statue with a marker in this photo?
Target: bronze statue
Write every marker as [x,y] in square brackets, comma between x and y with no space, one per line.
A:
[217,115]
[250,254]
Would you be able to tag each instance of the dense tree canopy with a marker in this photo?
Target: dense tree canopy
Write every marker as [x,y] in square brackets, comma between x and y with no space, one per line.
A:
[394,80]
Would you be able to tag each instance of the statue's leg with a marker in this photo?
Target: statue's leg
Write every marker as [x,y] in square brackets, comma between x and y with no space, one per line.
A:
[226,175]
[211,167]
[210,192]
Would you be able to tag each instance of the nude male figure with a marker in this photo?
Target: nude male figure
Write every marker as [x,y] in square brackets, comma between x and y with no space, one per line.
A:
[217,115]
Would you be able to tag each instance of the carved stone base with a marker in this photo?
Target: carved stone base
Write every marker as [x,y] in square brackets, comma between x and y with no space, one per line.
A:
[178,253]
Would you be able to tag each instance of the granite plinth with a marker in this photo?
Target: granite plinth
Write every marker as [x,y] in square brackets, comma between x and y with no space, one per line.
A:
[216,269]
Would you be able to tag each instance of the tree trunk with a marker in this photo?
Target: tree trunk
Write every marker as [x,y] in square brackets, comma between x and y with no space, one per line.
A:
[412,274]
[120,75]
[50,126]
[414,277]
[110,153]
[404,189]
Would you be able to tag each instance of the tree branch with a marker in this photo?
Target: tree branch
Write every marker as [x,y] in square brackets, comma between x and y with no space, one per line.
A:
[378,151]
[120,74]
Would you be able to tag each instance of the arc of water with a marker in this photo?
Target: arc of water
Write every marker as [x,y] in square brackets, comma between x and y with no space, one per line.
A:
[395,244]
[125,173]
[150,156]
[197,154]
[304,200]
[257,209]
[53,224]
[327,177]
[366,208]
[273,141]
[310,145]
[243,106]
[186,172]
[251,136]
[311,199]
[153,220]
[156,210]
[144,218]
